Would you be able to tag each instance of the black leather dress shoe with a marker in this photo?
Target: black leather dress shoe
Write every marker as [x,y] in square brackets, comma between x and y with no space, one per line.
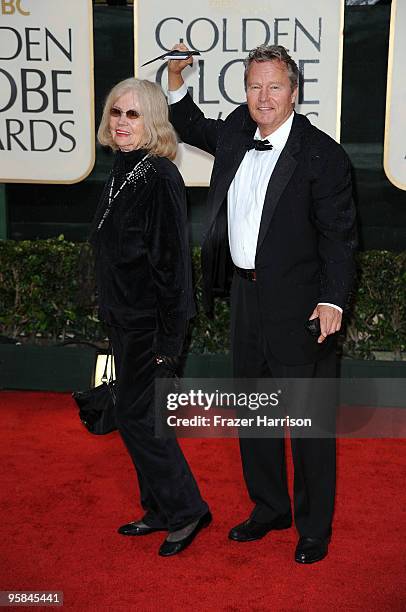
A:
[168,549]
[137,528]
[310,550]
[251,530]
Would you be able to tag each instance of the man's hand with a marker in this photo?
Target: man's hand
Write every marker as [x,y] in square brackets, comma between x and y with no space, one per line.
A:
[175,68]
[330,320]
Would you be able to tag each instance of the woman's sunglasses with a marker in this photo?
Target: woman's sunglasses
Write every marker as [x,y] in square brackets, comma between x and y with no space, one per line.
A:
[130,114]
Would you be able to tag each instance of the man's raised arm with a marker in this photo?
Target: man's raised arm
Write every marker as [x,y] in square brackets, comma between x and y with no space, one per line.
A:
[185,116]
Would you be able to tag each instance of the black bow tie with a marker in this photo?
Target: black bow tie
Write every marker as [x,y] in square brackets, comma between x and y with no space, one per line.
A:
[260,145]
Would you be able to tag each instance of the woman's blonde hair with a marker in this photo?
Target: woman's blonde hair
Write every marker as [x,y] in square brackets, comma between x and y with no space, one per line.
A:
[160,137]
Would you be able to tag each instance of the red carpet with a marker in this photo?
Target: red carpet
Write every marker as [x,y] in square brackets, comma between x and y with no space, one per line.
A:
[65,492]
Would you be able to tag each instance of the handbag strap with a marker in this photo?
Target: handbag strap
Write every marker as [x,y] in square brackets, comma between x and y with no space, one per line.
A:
[109,356]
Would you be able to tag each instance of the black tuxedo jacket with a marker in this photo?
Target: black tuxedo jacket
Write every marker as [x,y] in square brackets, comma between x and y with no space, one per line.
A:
[307,233]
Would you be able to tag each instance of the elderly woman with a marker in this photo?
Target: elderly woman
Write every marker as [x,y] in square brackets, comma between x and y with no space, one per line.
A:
[143,273]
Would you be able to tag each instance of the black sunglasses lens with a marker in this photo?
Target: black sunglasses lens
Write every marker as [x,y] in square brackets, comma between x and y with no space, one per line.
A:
[132,114]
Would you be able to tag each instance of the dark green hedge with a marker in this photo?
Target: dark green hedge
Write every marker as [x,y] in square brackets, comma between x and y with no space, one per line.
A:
[47,292]
[378,315]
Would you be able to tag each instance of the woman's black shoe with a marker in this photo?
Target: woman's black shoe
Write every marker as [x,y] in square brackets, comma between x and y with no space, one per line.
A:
[168,549]
[137,528]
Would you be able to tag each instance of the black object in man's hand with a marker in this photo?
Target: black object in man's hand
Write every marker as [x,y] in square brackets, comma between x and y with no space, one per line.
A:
[313,327]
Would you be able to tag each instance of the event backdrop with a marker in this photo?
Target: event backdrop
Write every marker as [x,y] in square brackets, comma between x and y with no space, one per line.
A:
[46,90]
[395,126]
[42,210]
[224,31]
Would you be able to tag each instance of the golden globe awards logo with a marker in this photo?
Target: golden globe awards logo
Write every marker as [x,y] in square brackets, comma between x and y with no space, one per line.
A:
[222,38]
[37,91]
[224,31]
[46,90]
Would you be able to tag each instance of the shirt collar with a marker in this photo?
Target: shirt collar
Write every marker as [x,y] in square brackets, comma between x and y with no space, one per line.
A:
[279,137]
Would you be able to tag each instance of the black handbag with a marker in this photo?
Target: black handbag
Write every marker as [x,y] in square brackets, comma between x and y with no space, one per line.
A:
[97,405]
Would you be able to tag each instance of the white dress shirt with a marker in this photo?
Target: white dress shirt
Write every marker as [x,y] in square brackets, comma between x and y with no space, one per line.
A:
[246,194]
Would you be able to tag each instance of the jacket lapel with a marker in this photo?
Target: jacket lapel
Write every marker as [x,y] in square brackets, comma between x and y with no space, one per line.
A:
[281,176]
[233,153]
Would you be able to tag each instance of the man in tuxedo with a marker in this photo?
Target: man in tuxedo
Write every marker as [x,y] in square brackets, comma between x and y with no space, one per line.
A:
[281,216]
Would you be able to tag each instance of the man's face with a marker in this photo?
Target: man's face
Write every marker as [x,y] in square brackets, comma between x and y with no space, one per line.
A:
[269,95]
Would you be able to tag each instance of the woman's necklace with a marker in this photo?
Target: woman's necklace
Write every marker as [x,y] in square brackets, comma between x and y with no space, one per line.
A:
[112,196]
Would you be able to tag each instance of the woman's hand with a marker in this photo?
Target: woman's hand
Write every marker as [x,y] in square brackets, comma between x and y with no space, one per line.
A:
[168,366]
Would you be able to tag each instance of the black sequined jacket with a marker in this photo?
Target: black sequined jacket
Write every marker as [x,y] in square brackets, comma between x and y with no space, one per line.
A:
[143,266]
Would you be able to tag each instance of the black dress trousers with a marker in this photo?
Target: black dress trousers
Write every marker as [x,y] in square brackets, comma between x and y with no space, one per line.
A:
[169,493]
[263,459]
